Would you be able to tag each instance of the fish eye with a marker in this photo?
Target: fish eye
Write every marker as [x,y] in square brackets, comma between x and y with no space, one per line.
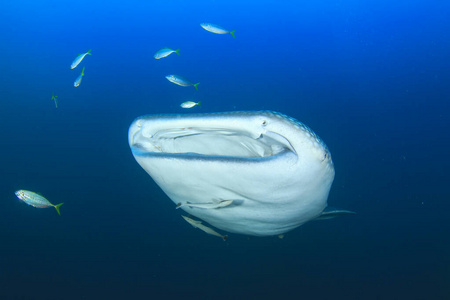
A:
[264,122]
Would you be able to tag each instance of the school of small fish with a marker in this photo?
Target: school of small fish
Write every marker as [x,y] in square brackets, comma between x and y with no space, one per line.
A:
[161,53]
[75,63]
[39,201]
[183,81]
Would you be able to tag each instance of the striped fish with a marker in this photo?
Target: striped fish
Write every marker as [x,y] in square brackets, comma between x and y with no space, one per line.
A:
[36,200]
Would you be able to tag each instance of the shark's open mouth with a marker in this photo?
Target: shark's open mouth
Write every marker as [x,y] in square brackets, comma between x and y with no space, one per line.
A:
[211,142]
[275,170]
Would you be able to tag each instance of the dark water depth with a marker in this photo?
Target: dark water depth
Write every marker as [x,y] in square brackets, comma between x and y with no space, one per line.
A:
[371,78]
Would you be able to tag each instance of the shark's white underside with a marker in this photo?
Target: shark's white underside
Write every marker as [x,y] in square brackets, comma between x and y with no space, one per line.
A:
[275,169]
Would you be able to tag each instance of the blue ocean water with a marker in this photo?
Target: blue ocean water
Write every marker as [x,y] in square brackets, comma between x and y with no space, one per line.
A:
[371,78]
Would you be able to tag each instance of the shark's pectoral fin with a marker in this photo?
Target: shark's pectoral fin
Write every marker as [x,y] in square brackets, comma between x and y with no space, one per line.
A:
[333,214]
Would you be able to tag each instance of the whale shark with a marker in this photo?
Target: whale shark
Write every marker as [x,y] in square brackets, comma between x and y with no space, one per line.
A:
[274,170]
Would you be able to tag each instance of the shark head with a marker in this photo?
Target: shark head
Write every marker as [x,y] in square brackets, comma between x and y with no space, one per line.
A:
[276,170]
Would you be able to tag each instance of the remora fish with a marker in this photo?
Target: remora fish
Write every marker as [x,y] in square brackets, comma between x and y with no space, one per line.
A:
[164,52]
[78,80]
[36,200]
[216,29]
[199,225]
[189,104]
[278,167]
[210,205]
[79,58]
[180,80]
[330,214]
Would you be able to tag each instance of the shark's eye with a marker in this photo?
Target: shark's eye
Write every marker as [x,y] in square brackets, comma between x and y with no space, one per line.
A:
[264,122]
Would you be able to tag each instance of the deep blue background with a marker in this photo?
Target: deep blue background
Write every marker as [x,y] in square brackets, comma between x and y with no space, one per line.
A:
[371,78]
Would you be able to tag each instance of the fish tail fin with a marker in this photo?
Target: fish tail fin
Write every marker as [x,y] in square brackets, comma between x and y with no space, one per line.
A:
[82,71]
[57,208]
[89,52]
[225,237]
[195,85]
[178,205]
[232,33]
[177,51]
[199,103]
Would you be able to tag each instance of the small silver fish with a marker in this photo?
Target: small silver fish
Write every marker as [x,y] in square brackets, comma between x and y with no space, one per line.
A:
[189,104]
[78,80]
[180,80]
[79,58]
[211,205]
[36,200]
[216,29]
[164,52]
[199,225]
[55,98]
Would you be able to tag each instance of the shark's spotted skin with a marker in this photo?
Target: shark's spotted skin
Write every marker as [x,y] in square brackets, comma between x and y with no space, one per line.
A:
[276,169]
